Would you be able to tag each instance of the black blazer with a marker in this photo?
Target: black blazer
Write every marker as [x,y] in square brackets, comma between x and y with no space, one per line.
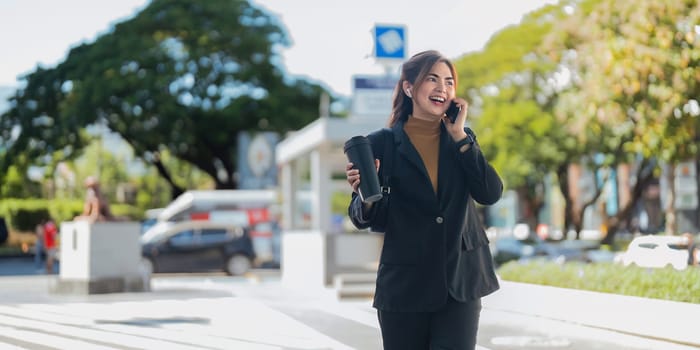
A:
[434,245]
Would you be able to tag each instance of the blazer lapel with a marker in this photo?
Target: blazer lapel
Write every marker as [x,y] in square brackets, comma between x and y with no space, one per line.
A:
[409,152]
[445,164]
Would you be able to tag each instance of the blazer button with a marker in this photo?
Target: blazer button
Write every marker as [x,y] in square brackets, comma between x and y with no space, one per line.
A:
[439,219]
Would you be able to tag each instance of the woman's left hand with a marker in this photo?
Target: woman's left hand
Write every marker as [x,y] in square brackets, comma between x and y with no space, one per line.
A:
[456,129]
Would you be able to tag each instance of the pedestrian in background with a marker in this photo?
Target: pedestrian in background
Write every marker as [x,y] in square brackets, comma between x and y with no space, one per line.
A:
[50,233]
[435,264]
[39,247]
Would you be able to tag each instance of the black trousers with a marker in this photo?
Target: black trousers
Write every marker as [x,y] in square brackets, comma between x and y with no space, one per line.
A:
[453,327]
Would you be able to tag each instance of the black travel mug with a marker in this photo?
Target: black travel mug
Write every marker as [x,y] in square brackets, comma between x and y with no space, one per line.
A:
[359,152]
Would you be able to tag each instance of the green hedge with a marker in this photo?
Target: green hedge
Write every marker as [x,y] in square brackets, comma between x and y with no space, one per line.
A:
[666,283]
[25,214]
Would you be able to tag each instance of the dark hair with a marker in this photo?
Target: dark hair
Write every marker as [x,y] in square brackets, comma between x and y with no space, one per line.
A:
[414,71]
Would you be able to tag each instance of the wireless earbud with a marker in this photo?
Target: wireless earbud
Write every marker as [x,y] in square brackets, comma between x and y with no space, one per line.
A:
[408,92]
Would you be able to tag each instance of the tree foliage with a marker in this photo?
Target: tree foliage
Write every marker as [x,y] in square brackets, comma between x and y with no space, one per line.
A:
[636,92]
[180,76]
[637,65]
[512,96]
[594,82]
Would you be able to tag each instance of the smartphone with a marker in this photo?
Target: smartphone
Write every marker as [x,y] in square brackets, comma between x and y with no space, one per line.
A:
[452,111]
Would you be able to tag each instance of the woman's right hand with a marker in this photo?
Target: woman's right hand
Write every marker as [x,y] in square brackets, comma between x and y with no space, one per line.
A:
[353,175]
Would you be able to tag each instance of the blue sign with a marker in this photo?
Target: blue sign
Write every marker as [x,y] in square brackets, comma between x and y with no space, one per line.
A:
[389,42]
[371,95]
[375,82]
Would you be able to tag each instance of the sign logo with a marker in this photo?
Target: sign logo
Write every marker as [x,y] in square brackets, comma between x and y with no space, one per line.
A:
[260,155]
[390,42]
[256,160]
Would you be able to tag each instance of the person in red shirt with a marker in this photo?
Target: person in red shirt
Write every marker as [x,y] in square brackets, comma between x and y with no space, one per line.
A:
[50,232]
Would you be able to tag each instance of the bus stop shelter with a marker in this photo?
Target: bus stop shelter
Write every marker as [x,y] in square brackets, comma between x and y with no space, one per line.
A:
[317,248]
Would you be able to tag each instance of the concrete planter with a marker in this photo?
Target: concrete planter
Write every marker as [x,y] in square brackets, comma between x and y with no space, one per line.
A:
[100,257]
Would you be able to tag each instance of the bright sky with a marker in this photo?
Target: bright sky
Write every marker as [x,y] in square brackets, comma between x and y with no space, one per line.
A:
[332,40]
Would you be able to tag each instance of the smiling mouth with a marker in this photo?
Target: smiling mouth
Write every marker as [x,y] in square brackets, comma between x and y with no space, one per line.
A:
[438,99]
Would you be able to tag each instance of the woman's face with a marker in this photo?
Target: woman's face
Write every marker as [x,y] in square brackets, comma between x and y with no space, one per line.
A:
[434,93]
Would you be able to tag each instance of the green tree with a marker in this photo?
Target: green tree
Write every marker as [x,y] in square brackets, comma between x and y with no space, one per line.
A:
[583,144]
[512,95]
[115,169]
[180,76]
[597,83]
[17,185]
[638,86]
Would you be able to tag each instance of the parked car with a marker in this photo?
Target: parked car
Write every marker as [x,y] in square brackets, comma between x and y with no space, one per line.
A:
[198,246]
[601,256]
[4,234]
[656,251]
[510,248]
[534,248]
[566,251]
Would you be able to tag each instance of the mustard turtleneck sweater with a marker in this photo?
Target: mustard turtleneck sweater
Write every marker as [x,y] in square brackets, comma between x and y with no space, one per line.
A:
[425,136]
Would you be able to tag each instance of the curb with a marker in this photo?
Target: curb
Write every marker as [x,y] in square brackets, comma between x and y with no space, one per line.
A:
[643,317]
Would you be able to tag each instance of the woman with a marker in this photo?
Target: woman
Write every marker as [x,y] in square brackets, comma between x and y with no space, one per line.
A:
[435,264]
[96,207]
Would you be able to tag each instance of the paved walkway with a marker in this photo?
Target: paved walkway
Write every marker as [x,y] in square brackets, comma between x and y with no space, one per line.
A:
[260,313]
[182,314]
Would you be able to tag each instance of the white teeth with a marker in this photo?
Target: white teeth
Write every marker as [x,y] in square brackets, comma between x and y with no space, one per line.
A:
[437,98]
